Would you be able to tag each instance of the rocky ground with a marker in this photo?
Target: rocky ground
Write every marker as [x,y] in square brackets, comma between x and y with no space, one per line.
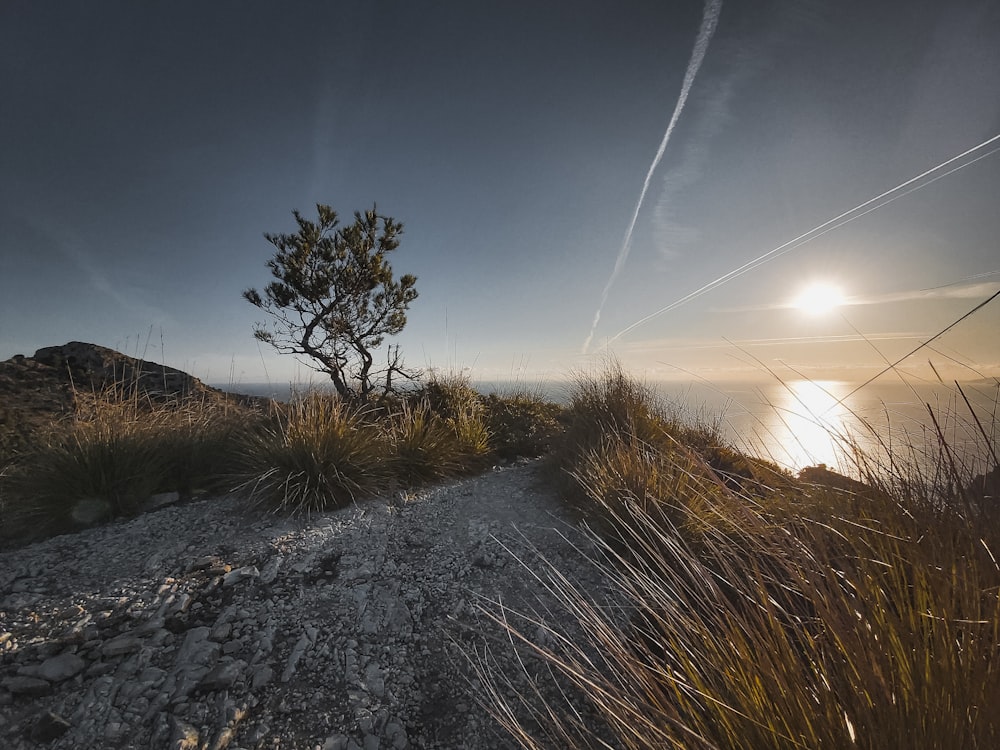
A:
[204,626]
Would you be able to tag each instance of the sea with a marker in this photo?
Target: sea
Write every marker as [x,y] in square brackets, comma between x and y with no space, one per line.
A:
[800,423]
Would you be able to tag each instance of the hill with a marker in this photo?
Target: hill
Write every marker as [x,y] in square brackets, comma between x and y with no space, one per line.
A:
[58,382]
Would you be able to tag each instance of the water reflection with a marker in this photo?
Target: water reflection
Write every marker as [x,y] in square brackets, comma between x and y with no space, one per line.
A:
[808,424]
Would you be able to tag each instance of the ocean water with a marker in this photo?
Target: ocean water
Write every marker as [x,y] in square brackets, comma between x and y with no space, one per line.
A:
[801,423]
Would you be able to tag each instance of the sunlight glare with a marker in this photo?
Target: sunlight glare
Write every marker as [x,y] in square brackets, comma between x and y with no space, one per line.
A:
[819,298]
[812,422]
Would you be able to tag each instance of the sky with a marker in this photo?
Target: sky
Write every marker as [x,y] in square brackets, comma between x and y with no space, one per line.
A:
[147,148]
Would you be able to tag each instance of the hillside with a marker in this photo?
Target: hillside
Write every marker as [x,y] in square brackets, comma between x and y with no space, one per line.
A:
[58,381]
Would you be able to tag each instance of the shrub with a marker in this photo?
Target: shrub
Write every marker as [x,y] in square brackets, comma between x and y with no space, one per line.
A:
[425,447]
[319,455]
[454,401]
[96,472]
[521,423]
[117,450]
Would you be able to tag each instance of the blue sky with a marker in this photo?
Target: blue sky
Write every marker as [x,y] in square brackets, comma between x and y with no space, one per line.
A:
[148,147]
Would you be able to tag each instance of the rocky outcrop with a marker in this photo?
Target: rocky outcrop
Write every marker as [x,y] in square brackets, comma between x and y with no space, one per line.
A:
[201,626]
[96,368]
[37,391]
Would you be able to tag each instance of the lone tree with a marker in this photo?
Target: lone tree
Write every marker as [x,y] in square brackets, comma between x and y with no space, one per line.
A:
[334,298]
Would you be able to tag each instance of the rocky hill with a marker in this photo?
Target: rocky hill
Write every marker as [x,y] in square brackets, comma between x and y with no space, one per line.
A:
[49,386]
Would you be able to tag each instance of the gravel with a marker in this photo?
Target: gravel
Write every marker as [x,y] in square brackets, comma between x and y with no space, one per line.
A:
[207,626]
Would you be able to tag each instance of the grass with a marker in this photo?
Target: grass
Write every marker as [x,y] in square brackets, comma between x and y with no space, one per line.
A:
[314,454]
[320,453]
[115,452]
[751,607]
[757,609]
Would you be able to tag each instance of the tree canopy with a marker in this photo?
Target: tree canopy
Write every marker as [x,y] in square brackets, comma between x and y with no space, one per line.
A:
[334,298]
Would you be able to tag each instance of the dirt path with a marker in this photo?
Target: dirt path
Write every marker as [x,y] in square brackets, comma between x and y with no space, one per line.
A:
[203,627]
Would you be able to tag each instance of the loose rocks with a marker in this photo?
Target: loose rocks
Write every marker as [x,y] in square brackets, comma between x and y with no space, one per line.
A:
[203,626]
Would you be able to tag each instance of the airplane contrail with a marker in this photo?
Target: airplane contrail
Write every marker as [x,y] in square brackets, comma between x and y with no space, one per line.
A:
[709,20]
[828,226]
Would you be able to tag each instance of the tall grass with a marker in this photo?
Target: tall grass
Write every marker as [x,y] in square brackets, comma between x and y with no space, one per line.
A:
[622,442]
[317,453]
[454,400]
[116,451]
[425,445]
[320,453]
[767,612]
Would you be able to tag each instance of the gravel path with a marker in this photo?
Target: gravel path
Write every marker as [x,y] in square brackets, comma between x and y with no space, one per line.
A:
[202,626]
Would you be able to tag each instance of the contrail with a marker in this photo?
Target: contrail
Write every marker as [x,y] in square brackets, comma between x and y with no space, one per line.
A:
[828,226]
[709,20]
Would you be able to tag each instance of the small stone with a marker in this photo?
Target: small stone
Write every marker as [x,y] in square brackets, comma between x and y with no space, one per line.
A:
[293,658]
[336,742]
[221,632]
[121,645]
[99,669]
[262,675]
[183,736]
[152,625]
[204,563]
[270,571]
[161,500]
[239,575]
[222,676]
[62,667]
[70,612]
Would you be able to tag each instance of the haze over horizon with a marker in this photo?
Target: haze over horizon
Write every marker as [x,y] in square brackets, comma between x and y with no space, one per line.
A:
[683,185]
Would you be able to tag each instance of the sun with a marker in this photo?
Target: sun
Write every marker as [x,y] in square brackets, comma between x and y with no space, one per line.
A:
[819,298]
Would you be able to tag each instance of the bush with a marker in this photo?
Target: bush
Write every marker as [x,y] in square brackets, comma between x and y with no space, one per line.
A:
[425,446]
[97,472]
[454,401]
[521,423]
[319,455]
[116,451]
[622,441]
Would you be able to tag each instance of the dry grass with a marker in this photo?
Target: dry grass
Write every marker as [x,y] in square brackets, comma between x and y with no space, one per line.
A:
[320,453]
[768,611]
[116,451]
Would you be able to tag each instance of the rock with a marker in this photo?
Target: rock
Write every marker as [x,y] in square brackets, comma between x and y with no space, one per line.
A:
[161,500]
[49,726]
[27,686]
[293,658]
[89,510]
[262,675]
[222,676]
[336,742]
[183,736]
[240,575]
[62,667]
[270,571]
[120,645]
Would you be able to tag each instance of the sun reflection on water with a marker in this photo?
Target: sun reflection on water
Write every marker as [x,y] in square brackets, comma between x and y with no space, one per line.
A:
[809,423]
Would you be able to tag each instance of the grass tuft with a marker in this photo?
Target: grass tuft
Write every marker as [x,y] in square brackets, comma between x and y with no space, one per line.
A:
[319,454]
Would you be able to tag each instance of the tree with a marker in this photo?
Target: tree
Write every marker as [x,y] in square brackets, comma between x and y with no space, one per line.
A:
[334,298]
